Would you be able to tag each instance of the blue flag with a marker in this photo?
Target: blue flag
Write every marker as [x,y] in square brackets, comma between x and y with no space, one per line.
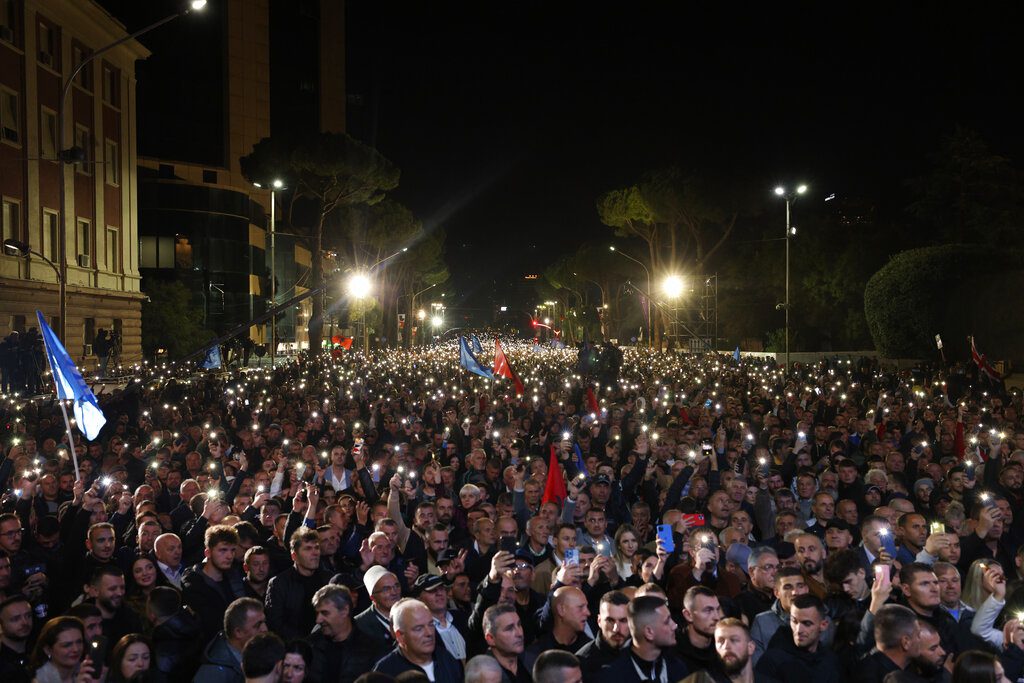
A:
[70,385]
[469,362]
[212,359]
[736,354]
[477,348]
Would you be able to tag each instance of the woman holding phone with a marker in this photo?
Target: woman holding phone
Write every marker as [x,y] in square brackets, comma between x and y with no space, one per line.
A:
[58,654]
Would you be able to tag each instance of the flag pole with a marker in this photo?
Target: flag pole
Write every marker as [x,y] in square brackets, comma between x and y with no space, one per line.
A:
[71,438]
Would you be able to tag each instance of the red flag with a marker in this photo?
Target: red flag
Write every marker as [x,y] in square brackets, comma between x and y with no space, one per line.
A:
[503,369]
[592,401]
[554,490]
[983,364]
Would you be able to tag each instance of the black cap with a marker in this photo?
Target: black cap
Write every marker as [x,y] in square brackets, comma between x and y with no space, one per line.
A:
[839,524]
[524,554]
[785,550]
[601,479]
[426,582]
[446,556]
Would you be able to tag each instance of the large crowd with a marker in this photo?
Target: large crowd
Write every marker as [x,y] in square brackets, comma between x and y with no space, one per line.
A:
[391,517]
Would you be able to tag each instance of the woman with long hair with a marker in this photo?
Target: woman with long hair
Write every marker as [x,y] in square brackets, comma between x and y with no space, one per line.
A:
[975,666]
[626,545]
[141,581]
[57,656]
[985,592]
[131,659]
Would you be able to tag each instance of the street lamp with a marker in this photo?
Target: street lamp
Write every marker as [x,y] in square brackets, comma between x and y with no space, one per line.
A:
[64,156]
[790,197]
[422,314]
[359,286]
[275,185]
[672,286]
[650,342]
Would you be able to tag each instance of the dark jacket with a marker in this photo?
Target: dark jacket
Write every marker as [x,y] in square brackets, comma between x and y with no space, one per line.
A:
[289,602]
[176,647]
[378,638]
[622,670]
[547,642]
[790,663]
[874,668]
[695,658]
[342,662]
[220,664]
[446,668]
[208,599]
[597,654]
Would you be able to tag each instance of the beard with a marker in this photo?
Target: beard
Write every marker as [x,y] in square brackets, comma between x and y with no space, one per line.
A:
[735,664]
[812,567]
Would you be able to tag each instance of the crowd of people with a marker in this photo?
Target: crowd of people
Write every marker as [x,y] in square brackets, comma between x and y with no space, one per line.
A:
[394,518]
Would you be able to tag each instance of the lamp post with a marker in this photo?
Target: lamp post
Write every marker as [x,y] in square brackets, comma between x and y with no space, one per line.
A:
[19,248]
[412,306]
[790,197]
[650,341]
[70,155]
[672,287]
[275,185]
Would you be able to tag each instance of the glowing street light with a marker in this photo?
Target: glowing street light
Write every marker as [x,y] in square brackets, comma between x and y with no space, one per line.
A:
[359,286]
[437,321]
[790,197]
[672,286]
[421,314]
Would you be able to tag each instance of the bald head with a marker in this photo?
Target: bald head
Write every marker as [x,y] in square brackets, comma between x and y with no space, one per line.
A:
[569,607]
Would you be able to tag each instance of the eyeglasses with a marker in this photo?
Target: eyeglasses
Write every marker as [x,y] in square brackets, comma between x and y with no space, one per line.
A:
[12,533]
[390,588]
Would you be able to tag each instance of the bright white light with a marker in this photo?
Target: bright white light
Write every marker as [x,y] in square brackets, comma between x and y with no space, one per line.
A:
[801,189]
[547,321]
[198,4]
[437,321]
[278,184]
[780,190]
[359,286]
[421,314]
[672,286]
[504,309]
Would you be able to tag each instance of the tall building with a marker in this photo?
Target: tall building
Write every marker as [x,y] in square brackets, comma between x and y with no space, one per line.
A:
[41,43]
[212,89]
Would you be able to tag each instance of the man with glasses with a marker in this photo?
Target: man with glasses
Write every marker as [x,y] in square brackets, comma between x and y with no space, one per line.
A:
[375,621]
[11,539]
[760,593]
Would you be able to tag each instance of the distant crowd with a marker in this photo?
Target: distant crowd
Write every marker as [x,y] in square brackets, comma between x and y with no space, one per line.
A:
[651,517]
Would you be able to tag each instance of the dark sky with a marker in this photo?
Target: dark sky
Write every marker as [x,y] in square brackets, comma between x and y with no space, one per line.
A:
[508,120]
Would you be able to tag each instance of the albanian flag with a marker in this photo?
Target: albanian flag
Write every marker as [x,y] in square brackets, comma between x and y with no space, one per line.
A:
[592,404]
[555,490]
[503,369]
[983,365]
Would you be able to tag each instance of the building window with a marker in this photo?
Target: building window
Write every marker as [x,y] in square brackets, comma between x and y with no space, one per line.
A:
[113,246]
[83,140]
[209,176]
[112,162]
[8,21]
[11,219]
[83,239]
[18,324]
[79,53]
[156,252]
[48,135]
[10,121]
[111,94]
[51,235]
[49,45]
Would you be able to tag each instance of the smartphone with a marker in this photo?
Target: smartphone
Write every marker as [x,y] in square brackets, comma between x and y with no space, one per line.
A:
[707,403]
[693,519]
[938,528]
[509,544]
[572,557]
[98,651]
[708,541]
[881,573]
[889,543]
[665,536]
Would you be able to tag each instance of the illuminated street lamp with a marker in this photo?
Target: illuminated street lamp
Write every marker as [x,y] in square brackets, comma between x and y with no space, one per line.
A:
[790,197]
[359,286]
[437,321]
[275,186]
[672,286]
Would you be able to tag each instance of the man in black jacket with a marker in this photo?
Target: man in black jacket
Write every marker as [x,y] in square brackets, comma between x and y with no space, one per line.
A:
[896,644]
[338,646]
[416,648]
[804,658]
[375,621]
[649,656]
[213,584]
[290,593]
[504,635]
[613,638]
[176,635]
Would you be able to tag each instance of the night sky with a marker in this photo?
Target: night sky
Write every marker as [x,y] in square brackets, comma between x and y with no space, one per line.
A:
[509,120]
